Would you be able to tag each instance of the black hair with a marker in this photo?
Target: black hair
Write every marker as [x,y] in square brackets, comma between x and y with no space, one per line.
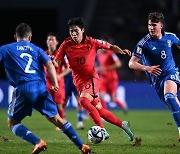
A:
[156,17]
[53,34]
[76,22]
[23,30]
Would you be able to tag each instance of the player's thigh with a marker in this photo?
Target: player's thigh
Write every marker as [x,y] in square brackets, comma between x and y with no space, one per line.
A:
[20,106]
[91,87]
[45,105]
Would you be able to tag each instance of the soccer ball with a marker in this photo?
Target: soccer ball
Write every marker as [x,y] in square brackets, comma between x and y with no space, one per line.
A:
[96,134]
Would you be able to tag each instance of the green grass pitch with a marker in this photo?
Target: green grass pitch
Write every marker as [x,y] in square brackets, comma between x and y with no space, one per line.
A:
[156,129]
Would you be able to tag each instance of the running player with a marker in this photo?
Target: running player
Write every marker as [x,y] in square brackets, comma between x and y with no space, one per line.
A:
[108,63]
[81,52]
[153,54]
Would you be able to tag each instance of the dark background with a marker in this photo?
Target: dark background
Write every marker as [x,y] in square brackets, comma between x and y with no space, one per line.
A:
[125,21]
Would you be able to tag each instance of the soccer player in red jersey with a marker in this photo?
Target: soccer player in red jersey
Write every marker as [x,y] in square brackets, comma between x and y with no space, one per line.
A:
[108,63]
[81,52]
[52,42]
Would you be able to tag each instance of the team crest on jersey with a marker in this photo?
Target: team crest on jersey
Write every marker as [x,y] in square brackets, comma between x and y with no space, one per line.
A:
[169,43]
[139,50]
[101,41]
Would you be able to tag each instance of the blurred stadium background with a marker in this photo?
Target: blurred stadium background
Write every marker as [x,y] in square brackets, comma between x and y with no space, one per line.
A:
[125,22]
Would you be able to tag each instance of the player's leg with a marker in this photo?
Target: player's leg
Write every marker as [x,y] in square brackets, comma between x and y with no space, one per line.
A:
[112,89]
[102,96]
[68,129]
[170,96]
[80,110]
[121,104]
[80,124]
[85,101]
[111,118]
[61,110]
[48,108]
[19,108]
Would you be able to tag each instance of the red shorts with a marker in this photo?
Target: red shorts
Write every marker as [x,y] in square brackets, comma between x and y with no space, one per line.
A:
[59,96]
[91,86]
[109,86]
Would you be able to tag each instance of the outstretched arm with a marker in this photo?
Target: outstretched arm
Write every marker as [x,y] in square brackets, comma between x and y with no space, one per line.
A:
[117,49]
[136,65]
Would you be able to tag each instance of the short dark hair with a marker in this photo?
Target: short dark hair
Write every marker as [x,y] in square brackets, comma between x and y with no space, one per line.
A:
[23,30]
[156,17]
[76,22]
[53,34]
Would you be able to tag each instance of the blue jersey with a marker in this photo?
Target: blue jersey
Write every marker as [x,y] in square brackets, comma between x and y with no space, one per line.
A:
[157,52]
[23,62]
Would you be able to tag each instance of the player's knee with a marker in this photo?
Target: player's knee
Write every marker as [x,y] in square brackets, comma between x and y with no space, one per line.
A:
[57,120]
[96,102]
[85,103]
[11,123]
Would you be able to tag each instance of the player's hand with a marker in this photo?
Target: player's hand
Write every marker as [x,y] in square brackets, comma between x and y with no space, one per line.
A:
[154,70]
[55,63]
[51,56]
[54,88]
[101,69]
[126,51]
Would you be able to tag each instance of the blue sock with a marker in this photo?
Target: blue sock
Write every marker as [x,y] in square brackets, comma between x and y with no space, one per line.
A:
[70,132]
[175,109]
[24,133]
[79,115]
[84,112]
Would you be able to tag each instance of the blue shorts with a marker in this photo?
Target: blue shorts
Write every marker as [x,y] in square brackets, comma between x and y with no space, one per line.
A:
[69,86]
[29,96]
[159,84]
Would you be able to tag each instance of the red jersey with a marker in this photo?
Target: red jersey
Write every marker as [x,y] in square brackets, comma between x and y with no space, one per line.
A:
[58,71]
[59,96]
[81,57]
[106,59]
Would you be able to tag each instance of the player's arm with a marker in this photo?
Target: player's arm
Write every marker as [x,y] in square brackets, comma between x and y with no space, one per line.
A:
[52,74]
[117,64]
[117,49]
[134,63]
[64,73]
[56,62]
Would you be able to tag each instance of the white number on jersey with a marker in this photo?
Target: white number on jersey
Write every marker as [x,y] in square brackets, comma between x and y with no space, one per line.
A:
[163,54]
[27,70]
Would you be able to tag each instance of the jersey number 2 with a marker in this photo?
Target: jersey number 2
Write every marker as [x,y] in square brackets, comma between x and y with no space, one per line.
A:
[27,70]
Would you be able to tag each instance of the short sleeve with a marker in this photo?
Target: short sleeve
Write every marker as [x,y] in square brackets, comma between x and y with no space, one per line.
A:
[138,51]
[176,40]
[60,53]
[100,44]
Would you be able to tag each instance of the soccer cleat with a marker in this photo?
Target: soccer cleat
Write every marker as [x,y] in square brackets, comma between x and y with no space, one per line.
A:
[179,138]
[41,146]
[85,149]
[106,135]
[80,125]
[127,130]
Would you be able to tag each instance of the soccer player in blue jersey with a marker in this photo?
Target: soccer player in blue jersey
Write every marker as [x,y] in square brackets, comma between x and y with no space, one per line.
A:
[154,51]
[23,62]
